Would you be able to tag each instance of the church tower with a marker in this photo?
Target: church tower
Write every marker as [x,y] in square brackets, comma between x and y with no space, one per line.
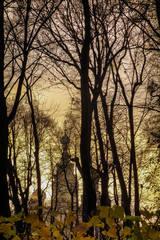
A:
[66,181]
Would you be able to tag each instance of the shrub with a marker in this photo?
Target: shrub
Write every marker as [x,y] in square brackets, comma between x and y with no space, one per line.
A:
[109,223]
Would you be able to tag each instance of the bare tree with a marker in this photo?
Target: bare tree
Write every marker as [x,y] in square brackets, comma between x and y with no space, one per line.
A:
[70,37]
[4,199]
[36,153]
[20,24]
[145,16]
[104,48]
[89,196]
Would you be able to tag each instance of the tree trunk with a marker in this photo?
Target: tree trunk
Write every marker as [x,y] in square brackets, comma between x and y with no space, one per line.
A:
[115,188]
[89,195]
[105,200]
[4,196]
[15,198]
[77,200]
[133,161]
[36,154]
[158,11]
[125,199]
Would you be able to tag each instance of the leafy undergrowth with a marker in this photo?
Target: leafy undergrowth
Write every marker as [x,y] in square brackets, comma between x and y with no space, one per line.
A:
[109,223]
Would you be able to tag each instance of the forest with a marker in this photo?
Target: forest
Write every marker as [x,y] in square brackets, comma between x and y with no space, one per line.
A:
[99,165]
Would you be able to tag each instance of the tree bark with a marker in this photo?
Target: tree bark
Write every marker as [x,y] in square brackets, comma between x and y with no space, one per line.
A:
[4,196]
[133,161]
[125,199]
[158,11]
[15,198]
[105,200]
[36,154]
[89,195]
[115,187]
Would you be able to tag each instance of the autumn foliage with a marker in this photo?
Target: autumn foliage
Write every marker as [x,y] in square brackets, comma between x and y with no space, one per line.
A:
[108,223]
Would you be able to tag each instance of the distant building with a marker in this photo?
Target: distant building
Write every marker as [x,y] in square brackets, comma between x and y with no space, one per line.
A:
[66,185]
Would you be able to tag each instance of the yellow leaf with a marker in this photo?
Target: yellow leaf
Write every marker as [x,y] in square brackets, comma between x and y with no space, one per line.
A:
[103,212]
[44,232]
[125,232]
[110,221]
[36,225]
[30,218]
[96,221]
[82,227]
[5,227]
[118,212]
[112,232]
[3,219]
[16,217]
[56,233]
[60,237]
[16,238]
[104,233]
